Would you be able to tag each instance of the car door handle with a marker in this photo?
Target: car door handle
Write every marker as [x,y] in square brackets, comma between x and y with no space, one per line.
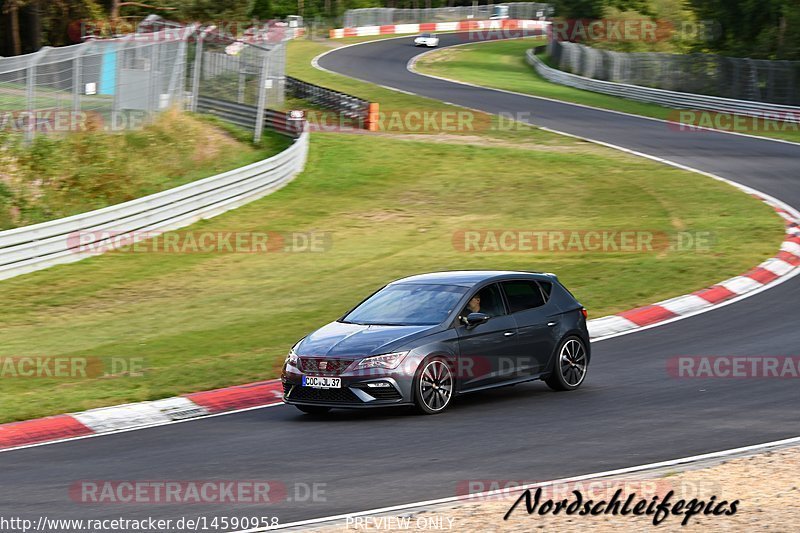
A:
[509,333]
[551,324]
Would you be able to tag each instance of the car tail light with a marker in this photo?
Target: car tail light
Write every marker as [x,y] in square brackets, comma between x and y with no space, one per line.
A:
[584,312]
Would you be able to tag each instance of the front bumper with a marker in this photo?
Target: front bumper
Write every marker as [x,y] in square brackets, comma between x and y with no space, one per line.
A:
[356,391]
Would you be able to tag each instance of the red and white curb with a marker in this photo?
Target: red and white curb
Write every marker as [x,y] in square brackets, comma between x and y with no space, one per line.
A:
[463,25]
[784,263]
[139,415]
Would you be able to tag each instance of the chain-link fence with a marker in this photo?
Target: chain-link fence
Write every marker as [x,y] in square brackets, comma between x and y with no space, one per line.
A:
[250,72]
[381,16]
[117,84]
[111,84]
[776,82]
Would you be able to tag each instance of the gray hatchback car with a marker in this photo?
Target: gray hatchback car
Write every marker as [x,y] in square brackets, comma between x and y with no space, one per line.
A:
[422,340]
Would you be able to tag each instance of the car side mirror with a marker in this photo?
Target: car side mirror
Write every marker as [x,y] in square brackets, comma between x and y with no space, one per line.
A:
[476,319]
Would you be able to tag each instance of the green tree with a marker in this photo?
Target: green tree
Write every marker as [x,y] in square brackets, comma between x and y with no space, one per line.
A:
[261,10]
[579,9]
[788,45]
[749,28]
[61,19]
[11,8]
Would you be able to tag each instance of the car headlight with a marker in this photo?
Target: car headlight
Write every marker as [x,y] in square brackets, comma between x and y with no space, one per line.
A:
[292,359]
[389,360]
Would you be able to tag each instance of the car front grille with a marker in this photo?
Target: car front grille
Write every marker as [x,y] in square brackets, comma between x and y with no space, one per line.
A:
[381,393]
[309,394]
[318,365]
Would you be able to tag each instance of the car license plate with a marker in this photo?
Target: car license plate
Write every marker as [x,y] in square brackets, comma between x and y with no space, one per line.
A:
[322,382]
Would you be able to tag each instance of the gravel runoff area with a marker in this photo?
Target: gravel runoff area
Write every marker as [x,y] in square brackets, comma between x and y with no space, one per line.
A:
[766,485]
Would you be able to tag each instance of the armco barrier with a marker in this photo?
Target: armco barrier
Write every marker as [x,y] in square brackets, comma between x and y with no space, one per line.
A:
[738,78]
[663,97]
[32,248]
[245,116]
[344,104]
[464,25]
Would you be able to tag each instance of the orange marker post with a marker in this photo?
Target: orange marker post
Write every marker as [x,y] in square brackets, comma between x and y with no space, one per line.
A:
[373,117]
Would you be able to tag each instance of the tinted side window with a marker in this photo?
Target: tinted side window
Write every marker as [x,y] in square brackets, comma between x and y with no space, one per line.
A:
[523,295]
[547,288]
[488,300]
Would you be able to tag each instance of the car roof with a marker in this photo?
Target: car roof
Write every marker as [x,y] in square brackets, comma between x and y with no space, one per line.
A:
[469,278]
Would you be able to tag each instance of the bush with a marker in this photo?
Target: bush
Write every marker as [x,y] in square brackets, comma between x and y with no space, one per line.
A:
[61,175]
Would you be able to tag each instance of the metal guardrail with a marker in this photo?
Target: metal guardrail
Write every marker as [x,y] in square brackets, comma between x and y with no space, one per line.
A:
[345,104]
[738,78]
[245,116]
[24,250]
[673,99]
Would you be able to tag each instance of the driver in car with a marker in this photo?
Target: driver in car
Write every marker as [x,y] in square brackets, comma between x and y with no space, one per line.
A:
[474,305]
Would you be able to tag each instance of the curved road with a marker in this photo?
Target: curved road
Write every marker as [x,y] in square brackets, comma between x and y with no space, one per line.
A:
[629,411]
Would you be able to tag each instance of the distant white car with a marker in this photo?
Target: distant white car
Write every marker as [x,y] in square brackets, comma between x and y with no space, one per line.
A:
[427,39]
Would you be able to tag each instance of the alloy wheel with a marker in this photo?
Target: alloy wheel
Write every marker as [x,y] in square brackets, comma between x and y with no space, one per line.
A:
[572,360]
[436,385]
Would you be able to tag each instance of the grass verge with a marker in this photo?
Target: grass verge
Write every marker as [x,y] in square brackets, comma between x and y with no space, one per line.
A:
[300,53]
[62,175]
[400,112]
[502,65]
[390,206]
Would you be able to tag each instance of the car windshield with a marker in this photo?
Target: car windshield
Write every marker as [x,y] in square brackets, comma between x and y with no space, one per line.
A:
[426,35]
[407,304]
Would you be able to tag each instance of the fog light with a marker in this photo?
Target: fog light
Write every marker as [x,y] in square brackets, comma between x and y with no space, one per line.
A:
[379,384]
